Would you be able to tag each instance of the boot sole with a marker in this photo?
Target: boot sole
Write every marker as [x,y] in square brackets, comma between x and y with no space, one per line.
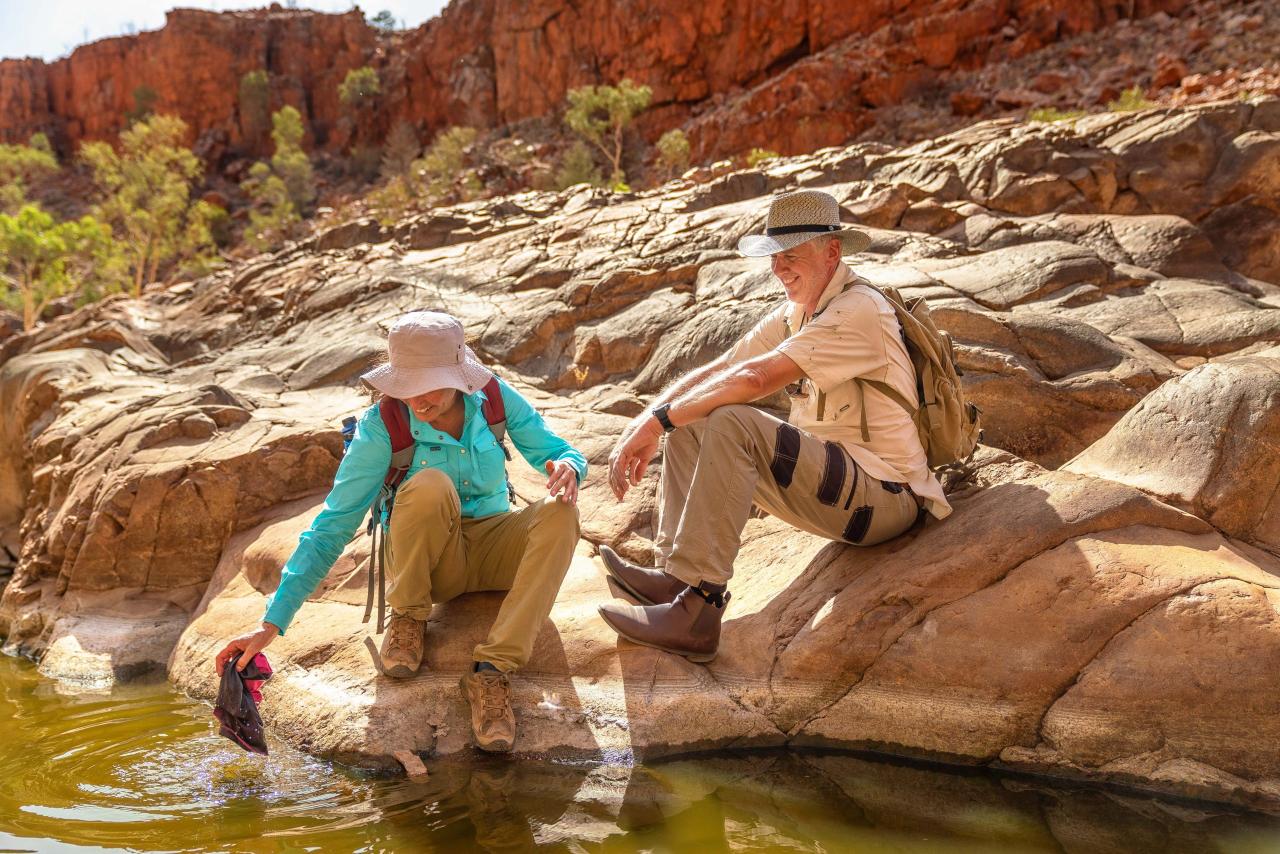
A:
[695,657]
[401,671]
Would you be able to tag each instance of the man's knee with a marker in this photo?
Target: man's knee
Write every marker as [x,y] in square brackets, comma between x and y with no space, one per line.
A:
[731,416]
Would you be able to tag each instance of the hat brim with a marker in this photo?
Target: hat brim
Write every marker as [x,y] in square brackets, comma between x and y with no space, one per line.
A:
[402,383]
[852,242]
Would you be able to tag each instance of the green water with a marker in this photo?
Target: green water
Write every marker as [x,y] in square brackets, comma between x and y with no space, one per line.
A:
[141,768]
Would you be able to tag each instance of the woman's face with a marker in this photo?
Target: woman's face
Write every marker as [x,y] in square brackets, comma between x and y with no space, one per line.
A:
[432,404]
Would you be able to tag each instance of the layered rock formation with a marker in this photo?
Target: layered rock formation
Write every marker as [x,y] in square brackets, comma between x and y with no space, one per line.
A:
[1113,619]
[788,76]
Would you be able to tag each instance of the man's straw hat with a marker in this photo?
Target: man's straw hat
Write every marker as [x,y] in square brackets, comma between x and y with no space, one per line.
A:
[427,351]
[799,217]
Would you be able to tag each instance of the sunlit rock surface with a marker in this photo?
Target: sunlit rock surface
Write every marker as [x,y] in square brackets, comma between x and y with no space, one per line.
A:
[1115,619]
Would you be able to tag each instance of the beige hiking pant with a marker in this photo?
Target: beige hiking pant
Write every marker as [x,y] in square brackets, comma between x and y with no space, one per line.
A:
[434,555]
[715,469]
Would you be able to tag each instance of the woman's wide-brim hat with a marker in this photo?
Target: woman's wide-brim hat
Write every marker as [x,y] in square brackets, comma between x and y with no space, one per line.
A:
[427,351]
[799,217]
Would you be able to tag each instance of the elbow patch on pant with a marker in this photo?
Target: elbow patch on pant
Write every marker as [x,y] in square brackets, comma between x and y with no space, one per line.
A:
[786,453]
[859,522]
[833,474]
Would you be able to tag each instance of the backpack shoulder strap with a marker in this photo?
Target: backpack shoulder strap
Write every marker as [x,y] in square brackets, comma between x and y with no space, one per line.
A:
[395,417]
[495,413]
[494,408]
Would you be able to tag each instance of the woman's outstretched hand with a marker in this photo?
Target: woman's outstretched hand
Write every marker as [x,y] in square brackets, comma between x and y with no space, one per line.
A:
[247,646]
[562,481]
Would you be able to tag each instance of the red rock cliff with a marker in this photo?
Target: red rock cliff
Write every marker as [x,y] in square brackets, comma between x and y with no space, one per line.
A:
[791,75]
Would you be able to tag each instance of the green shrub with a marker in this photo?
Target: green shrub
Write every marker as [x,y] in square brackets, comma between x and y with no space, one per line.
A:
[43,259]
[359,88]
[146,197]
[1129,101]
[578,167]
[673,151]
[601,114]
[757,156]
[1052,114]
[21,164]
[444,164]
[289,161]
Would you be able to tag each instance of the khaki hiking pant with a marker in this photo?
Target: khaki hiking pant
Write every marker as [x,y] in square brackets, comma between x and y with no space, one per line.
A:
[715,469]
[434,555]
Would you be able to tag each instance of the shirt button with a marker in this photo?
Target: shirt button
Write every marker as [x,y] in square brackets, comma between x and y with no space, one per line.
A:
[466,483]
[463,451]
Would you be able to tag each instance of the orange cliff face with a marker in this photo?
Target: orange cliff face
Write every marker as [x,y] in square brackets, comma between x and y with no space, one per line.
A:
[194,65]
[790,75]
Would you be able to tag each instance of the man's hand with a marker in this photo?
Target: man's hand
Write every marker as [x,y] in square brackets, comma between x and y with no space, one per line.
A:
[562,477]
[248,645]
[633,453]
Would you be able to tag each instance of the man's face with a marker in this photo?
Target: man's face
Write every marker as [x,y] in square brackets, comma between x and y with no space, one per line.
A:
[432,404]
[806,268]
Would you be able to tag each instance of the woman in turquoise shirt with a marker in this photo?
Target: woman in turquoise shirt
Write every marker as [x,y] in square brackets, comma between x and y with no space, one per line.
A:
[452,530]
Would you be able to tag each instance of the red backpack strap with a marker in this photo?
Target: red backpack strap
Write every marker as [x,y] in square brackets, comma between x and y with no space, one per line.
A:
[495,413]
[395,417]
[494,408]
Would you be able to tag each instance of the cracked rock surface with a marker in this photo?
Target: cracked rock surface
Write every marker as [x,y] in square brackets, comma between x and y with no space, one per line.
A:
[1102,605]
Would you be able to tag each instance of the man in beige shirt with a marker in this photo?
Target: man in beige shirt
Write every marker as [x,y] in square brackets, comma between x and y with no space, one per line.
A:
[847,465]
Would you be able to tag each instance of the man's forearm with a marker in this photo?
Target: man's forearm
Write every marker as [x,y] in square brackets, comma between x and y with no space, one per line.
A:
[688,382]
[740,384]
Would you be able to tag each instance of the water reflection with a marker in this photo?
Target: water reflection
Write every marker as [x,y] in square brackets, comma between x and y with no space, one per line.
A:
[141,768]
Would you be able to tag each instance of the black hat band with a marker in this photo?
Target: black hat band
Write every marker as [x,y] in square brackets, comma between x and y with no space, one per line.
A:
[800,229]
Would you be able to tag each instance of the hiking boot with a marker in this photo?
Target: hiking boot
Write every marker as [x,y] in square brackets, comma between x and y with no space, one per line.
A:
[646,586]
[489,694]
[689,625]
[401,651]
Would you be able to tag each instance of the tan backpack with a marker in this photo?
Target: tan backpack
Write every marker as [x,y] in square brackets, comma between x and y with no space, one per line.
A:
[950,427]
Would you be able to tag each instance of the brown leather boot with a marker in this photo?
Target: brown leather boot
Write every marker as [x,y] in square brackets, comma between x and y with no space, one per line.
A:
[401,651]
[689,625]
[488,692]
[646,586]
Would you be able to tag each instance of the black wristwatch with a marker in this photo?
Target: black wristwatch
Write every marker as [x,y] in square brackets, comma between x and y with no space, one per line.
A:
[660,413]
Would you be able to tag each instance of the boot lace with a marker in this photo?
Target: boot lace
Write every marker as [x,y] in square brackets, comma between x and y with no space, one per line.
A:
[402,635]
[496,694]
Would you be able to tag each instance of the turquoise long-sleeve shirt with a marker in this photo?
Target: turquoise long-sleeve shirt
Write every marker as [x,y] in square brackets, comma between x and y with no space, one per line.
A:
[475,463]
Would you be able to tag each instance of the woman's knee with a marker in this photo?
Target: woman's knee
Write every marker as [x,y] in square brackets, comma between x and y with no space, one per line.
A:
[428,488]
[560,515]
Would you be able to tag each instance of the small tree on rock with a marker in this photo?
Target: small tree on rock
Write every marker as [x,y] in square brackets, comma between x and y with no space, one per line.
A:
[359,89]
[600,115]
[282,191]
[289,161]
[42,259]
[384,20]
[673,151]
[21,164]
[146,196]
